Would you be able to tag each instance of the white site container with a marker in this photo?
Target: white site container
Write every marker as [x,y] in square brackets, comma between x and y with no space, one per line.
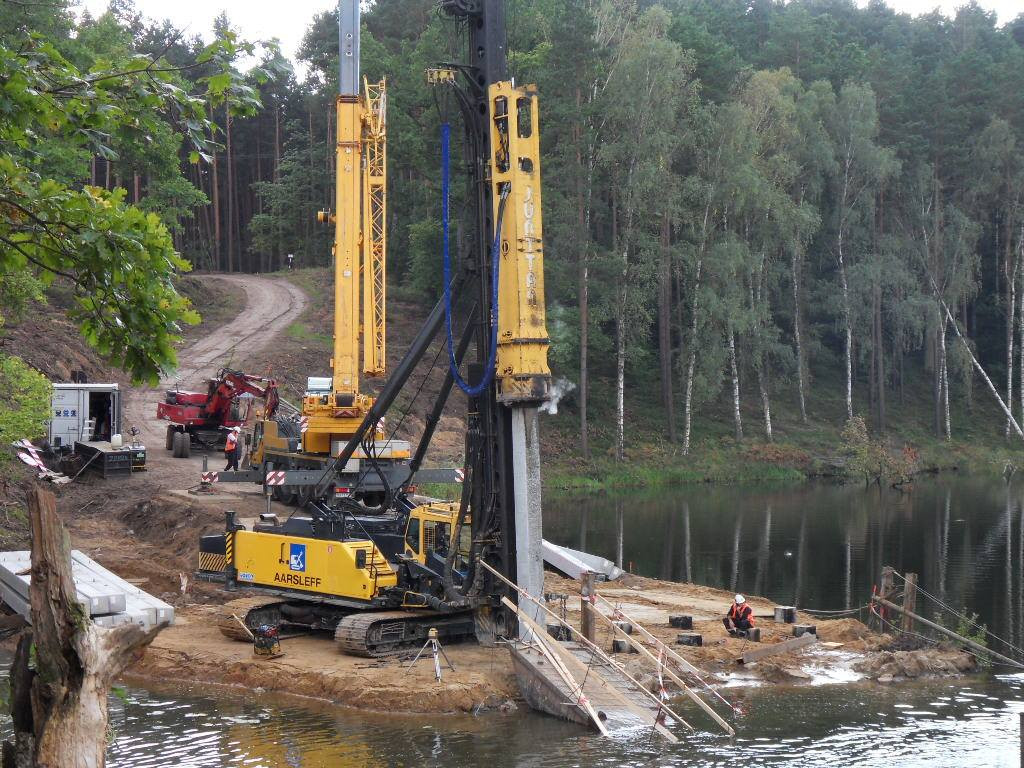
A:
[74,406]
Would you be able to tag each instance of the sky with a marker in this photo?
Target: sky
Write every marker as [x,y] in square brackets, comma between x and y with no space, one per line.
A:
[287,21]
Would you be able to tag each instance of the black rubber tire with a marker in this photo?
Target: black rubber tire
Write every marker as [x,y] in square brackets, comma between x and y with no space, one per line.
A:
[176,445]
[303,495]
[169,441]
[186,445]
[288,495]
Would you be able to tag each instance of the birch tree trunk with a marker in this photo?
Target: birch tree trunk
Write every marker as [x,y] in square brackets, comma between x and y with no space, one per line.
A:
[1011,307]
[765,402]
[738,419]
[848,342]
[691,364]
[944,382]
[665,326]
[59,701]
[1020,325]
[620,362]
[798,338]
[977,366]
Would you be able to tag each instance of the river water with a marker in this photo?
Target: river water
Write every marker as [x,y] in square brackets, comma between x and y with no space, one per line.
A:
[819,546]
[949,723]
[815,546]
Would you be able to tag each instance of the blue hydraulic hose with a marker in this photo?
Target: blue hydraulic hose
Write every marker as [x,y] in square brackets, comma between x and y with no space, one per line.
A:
[495,263]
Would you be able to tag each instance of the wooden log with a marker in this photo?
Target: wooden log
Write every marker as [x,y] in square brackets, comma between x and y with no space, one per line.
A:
[909,601]
[60,705]
[951,634]
[776,648]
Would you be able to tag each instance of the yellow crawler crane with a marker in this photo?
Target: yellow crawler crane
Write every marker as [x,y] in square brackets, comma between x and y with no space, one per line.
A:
[382,577]
[294,456]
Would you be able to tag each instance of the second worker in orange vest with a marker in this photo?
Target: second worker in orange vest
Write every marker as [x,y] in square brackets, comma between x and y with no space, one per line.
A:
[233,449]
[740,617]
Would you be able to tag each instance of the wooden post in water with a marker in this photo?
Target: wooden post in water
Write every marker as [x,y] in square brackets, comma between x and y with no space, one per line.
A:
[587,591]
[909,601]
[885,586]
[884,591]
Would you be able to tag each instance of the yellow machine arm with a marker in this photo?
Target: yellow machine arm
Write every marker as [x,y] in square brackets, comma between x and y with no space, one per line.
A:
[359,237]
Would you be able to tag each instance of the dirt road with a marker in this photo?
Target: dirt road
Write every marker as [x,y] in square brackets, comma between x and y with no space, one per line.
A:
[270,307]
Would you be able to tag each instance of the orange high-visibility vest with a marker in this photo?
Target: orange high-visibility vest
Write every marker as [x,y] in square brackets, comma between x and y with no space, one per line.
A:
[230,443]
[740,612]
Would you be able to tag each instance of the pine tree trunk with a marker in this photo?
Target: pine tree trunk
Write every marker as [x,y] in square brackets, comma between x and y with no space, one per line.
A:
[277,175]
[65,665]
[230,190]
[665,326]
[215,188]
[734,370]
[620,371]
[798,338]
[583,277]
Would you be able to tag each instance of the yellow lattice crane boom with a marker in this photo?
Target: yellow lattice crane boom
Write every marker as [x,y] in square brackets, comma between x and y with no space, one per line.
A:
[359,253]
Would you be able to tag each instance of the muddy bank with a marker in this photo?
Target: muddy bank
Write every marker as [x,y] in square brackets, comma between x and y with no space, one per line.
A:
[195,650]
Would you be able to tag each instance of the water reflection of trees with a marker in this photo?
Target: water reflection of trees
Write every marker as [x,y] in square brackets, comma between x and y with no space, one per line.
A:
[818,546]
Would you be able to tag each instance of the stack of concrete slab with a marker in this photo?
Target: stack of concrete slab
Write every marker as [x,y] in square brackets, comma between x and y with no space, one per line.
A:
[107,598]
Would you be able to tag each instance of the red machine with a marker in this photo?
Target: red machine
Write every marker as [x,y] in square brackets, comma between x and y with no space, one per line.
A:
[204,417]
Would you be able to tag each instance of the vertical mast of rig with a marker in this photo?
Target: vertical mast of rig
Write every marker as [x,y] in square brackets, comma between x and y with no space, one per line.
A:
[502,141]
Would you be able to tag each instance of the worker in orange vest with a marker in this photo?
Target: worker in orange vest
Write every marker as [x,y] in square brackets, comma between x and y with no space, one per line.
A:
[233,448]
[740,617]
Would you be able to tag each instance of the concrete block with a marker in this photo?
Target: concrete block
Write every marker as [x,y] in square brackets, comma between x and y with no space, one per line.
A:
[804,629]
[690,638]
[620,645]
[625,626]
[785,614]
[680,622]
[754,635]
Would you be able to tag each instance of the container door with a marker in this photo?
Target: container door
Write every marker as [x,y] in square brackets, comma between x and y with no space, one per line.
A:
[67,415]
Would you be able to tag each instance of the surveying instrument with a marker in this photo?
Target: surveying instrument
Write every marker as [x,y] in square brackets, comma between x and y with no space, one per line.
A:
[436,651]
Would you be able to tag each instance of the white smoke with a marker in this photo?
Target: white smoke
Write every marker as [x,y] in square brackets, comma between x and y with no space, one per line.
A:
[559,389]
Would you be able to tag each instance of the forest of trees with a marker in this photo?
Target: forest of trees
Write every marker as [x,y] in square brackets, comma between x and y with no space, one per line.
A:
[741,196]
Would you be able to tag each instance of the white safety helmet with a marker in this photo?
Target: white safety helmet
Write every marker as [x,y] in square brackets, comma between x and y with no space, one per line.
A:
[740,600]
[236,429]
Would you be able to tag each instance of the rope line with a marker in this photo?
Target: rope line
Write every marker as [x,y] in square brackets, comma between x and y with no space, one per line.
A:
[967,619]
